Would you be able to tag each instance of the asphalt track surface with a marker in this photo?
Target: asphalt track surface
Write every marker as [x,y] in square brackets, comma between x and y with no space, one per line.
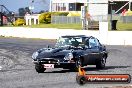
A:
[18,70]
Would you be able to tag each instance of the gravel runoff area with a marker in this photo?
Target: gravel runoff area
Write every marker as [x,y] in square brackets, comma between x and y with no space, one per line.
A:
[17,69]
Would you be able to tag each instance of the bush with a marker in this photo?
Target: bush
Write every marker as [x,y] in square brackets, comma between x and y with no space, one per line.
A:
[60,13]
[19,22]
[46,17]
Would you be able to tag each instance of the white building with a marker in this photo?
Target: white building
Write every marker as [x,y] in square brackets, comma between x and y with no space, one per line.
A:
[75,5]
[32,19]
[66,5]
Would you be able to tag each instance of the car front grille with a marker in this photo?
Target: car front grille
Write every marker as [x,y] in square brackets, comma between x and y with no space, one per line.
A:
[49,61]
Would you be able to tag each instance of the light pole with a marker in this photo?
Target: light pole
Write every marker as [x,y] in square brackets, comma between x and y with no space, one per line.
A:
[111,18]
[130,4]
[31,6]
[31,10]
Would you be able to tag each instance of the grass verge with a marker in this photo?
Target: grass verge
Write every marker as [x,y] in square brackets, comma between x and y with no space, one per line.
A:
[59,26]
[122,26]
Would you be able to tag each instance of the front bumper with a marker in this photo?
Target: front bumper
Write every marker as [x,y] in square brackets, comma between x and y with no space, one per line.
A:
[52,62]
[57,63]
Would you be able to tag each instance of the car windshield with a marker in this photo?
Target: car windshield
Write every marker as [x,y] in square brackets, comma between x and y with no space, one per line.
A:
[69,41]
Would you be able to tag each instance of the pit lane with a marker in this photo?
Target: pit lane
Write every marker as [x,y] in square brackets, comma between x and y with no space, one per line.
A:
[17,69]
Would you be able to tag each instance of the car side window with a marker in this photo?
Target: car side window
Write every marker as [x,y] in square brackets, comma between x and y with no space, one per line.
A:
[93,43]
[86,42]
[98,43]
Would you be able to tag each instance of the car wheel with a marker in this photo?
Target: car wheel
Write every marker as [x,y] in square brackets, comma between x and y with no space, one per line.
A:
[39,68]
[80,80]
[101,63]
[77,64]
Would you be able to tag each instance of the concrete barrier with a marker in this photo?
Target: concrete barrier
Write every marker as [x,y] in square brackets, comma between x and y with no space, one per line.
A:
[44,33]
[109,38]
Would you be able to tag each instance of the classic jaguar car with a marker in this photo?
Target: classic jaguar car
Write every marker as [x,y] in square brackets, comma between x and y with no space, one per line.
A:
[70,52]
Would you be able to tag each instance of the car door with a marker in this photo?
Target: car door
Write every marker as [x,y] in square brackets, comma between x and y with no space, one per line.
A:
[93,51]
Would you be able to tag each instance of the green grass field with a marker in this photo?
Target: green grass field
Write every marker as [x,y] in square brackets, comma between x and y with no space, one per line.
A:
[120,26]
[59,26]
[123,26]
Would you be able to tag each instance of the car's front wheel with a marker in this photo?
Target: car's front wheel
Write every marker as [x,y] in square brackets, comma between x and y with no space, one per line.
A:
[78,63]
[81,80]
[101,63]
[39,68]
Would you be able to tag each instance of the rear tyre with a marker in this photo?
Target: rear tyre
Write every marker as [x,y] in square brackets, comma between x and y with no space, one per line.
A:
[101,63]
[39,68]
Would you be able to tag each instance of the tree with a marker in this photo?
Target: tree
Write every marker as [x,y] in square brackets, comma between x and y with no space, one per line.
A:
[27,10]
[23,11]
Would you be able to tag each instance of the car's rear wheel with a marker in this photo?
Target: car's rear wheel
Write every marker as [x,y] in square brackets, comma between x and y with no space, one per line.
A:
[39,68]
[101,63]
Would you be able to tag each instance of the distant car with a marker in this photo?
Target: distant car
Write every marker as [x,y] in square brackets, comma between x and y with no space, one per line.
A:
[70,52]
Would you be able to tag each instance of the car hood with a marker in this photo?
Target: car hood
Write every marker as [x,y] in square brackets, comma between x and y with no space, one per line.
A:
[52,53]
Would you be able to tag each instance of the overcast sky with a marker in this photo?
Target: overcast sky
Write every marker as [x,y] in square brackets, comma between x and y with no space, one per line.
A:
[14,5]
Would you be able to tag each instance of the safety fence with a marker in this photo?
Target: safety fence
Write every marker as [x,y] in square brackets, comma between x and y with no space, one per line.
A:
[123,19]
[65,19]
[76,19]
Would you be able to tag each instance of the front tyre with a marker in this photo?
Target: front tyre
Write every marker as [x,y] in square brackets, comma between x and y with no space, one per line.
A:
[80,80]
[39,68]
[77,64]
[101,63]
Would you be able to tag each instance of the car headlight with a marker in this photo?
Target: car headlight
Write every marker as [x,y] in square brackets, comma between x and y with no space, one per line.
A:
[35,54]
[69,56]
